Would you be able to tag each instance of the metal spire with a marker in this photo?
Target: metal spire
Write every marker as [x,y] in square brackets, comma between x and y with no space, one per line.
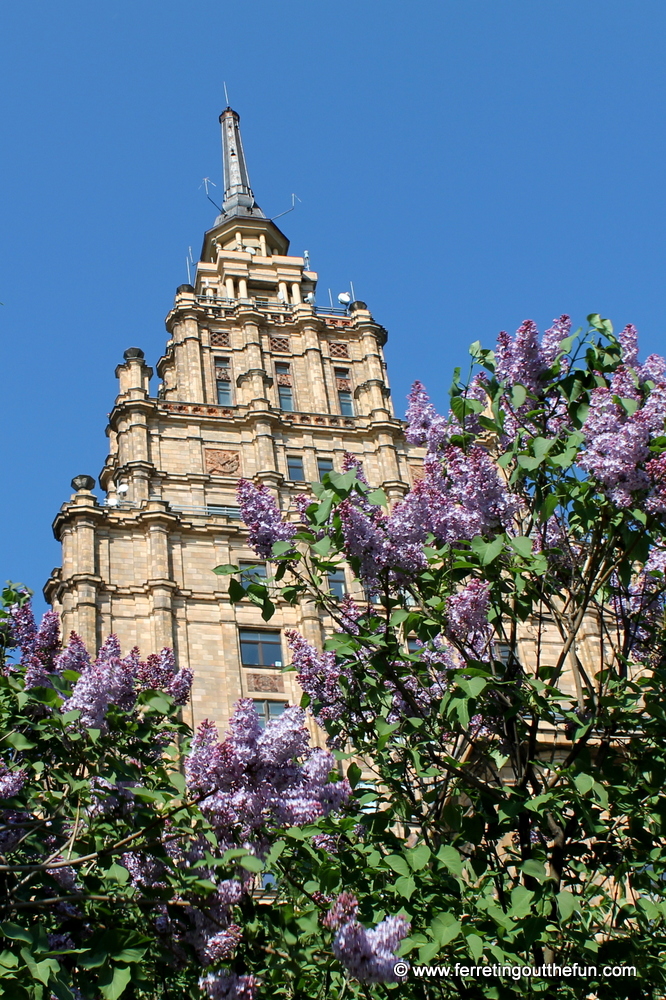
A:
[238,196]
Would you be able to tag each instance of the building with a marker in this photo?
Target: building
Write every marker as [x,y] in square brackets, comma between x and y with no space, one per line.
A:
[256,381]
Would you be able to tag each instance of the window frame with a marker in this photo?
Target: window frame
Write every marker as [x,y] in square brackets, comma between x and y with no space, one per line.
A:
[223,385]
[290,460]
[260,645]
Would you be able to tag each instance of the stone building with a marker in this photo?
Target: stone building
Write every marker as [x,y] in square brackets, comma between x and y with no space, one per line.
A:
[255,381]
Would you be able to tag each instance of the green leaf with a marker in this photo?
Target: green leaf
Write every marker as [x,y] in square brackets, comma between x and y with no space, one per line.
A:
[444,928]
[19,742]
[522,545]
[354,774]
[378,498]
[118,873]
[534,869]
[282,548]
[251,864]
[518,395]
[487,551]
[405,886]
[113,985]
[323,546]
[397,863]
[226,569]
[419,856]
[40,970]
[566,904]
[475,946]
[451,859]
[16,933]
[521,902]
[584,782]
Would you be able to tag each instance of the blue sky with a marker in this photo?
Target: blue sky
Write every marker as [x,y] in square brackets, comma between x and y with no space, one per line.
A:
[466,164]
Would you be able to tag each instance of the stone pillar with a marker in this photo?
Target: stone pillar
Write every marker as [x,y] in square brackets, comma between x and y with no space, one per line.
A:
[315,369]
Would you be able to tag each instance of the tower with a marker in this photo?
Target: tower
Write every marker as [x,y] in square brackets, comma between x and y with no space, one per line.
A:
[256,381]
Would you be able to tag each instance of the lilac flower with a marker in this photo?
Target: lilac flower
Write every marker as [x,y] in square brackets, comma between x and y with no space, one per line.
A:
[180,686]
[368,955]
[22,627]
[261,777]
[420,415]
[261,515]
[14,823]
[656,470]
[324,842]
[519,361]
[365,538]
[75,656]
[629,344]
[158,671]
[228,986]
[553,337]
[318,675]
[107,681]
[11,782]
[350,462]
[467,619]
[656,562]
[38,645]
[654,369]
[223,944]
[616,446]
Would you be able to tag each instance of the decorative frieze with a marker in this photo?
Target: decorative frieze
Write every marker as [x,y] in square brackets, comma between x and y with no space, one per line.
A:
[279,344]
[265,682]
[339,349]
[220,338]
[221,462]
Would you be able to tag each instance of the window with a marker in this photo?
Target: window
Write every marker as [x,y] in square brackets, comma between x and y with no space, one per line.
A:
[413,645]
[285,391]
[336,582]
[343,385]
[268,710]
[252,572]
[260,649]
[295,468]
[324,465]
[223,382]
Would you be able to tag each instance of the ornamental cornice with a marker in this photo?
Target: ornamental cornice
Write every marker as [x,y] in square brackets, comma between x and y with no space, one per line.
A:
[369,383]
[250,373]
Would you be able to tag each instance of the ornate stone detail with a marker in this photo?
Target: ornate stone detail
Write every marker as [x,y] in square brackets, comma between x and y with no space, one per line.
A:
[336,322]
[265,682]
[223,375]
[220,338]
[283,378]
[417,472]
[222,463]
[211,411]
[343,384]
[279,344]
[339,350]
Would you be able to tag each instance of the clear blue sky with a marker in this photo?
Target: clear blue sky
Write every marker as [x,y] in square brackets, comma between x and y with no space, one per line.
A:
[467,164]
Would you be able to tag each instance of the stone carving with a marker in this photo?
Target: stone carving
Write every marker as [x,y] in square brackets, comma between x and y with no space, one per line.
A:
[222,463]
[283,378]
[339,350]
[265,682]
[417,472]
[279,344]
[343,384]
[219,338]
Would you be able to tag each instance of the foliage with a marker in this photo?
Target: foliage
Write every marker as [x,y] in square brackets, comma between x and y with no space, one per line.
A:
[126,856]
[498,704]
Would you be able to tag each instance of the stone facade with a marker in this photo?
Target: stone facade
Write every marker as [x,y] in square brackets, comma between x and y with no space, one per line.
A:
[256,381]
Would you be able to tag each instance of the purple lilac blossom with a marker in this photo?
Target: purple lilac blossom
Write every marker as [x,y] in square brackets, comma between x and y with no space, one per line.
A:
[261,515]
[11,782]
[616,445]
[39,646]
[629,343]
[656,562]
[368,955]
[318,676]
[638,609]
[180,686]
[228,986]
[552,339]
[467,619]
[261,777]
[654,369]
[223,944]
[325,842]
[420,415]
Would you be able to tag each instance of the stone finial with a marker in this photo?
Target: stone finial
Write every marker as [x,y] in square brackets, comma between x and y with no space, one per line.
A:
[83,483]
[133,352]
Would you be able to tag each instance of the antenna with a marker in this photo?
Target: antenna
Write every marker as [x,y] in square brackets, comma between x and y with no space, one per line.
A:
[204,184]
[226,96]
[351,285]
[330,298]
[294,199]
[187,265]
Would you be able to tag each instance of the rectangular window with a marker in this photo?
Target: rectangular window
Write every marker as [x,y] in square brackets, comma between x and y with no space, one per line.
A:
[285,391]
[268,710]
[260,648]
[295,468]
[336,583]
[223,382]
[346,403]
[324,465]
[252,572]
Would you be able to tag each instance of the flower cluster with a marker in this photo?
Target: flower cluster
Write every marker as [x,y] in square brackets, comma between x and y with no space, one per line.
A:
[525,361]
[39,646]
[261,515]
[622,420]
[228,986]
[368,955]
[11,782]
[467,619]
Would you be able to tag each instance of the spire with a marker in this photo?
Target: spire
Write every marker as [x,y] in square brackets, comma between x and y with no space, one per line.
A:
[238,195]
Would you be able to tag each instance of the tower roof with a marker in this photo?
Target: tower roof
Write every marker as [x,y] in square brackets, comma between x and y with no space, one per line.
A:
[238,195]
